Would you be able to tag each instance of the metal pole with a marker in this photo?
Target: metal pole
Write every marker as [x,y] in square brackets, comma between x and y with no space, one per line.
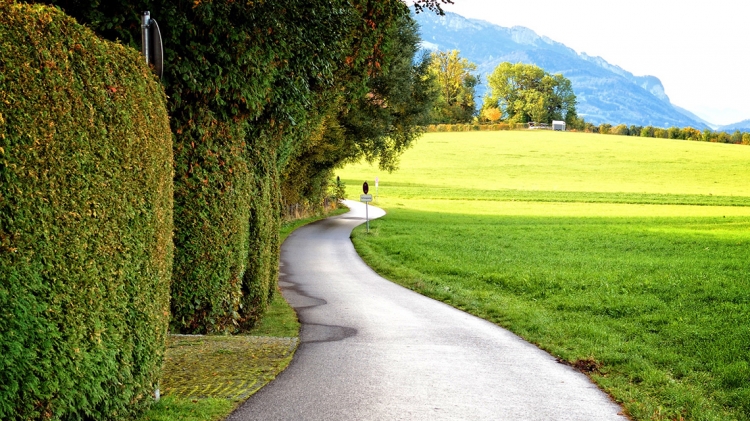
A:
[367,216]
[145,41]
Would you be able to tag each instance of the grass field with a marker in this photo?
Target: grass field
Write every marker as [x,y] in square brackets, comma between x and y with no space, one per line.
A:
[629,256]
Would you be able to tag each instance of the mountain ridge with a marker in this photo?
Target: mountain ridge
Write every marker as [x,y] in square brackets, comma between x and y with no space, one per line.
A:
[606,93]
[743,126]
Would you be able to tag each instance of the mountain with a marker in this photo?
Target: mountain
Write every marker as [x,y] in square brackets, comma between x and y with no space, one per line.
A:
[606,93]
[696,118]
[743,126]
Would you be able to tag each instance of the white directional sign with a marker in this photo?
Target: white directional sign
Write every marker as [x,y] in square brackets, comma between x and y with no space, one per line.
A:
[365,198]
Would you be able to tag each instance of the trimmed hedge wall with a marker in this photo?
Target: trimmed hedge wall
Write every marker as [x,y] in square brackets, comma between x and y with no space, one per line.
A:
[85,221]
[260,280]
[242,73]
[212,215]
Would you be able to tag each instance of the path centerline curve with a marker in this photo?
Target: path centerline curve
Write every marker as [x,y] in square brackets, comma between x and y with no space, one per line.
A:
[373,350]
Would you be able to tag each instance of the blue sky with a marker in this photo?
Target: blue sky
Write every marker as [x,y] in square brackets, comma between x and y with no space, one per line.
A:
[699,49]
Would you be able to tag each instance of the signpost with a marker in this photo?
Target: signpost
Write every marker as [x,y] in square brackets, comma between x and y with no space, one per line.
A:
[366,198]
[151,44]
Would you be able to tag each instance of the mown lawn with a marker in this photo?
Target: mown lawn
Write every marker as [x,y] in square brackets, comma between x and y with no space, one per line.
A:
[629,254]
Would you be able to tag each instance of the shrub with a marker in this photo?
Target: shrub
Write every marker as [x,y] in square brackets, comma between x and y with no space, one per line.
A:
[235,72]
[85,221]
[259,283]
[212,215]
[337,190]
[491,114]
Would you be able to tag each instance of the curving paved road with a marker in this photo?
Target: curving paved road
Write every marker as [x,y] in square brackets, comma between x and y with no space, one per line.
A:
[372,350]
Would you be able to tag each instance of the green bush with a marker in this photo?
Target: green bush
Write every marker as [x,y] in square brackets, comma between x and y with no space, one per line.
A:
[213,189]
[240,75]
[259,283]
[85,221]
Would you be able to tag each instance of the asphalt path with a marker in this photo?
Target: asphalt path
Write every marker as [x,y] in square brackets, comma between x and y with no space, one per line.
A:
[373,350]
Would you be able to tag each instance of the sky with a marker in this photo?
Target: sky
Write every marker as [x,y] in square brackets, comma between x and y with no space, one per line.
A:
[700,50]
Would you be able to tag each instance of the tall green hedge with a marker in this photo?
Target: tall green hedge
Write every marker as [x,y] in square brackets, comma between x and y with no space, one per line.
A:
[85,221]
[244,74]
[260,279]
[213,190]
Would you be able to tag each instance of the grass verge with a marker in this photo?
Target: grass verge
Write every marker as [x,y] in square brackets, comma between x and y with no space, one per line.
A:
[626,259]
[207,377]
[657,304]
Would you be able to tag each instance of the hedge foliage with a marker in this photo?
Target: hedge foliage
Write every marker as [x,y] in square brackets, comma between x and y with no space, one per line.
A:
[85,221]
[250,85]
[432,128]
[213,187]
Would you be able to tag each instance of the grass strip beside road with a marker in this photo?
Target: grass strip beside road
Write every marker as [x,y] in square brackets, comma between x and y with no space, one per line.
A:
[206,377]
[660,305]
[645,289]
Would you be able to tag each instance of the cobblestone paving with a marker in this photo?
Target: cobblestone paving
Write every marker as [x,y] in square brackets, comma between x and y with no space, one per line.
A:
[229,367]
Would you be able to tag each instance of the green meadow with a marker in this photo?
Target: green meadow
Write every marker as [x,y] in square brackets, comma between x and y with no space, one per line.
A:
[628,258]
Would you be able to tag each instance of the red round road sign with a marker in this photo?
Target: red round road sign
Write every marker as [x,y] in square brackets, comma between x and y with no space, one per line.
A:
[365,187]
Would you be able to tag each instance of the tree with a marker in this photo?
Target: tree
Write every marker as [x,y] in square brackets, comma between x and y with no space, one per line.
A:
[525,92]
[620,129]
[455,84]
[722,137]
[491,114]
[432,5]
[689,133]
[377,125]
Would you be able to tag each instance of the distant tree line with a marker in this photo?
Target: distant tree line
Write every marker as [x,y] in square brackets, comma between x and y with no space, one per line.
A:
[686,133]
[522,93]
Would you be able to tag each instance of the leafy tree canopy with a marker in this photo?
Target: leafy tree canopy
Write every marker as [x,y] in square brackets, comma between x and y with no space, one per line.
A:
[455,84]
[525,92]
[432,5]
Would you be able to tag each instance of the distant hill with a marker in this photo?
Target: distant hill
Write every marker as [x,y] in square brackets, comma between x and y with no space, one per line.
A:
[606,93]
[743,126]
[696,118]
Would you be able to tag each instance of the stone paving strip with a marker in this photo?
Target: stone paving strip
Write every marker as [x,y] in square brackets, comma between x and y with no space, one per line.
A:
[228,367]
